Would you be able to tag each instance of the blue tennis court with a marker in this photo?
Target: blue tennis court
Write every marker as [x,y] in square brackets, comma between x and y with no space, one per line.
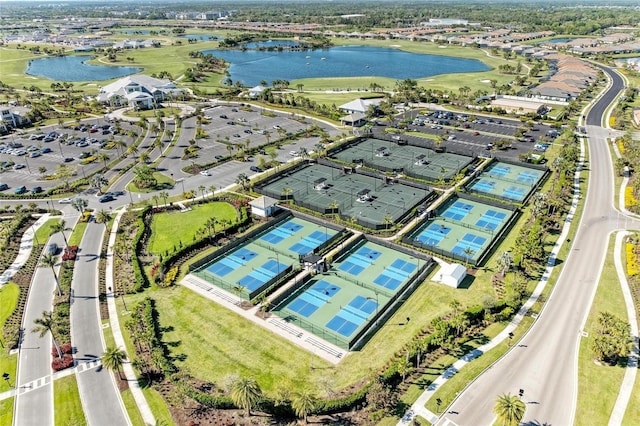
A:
[359,261]
[484,185]
[309,243]
[260,275]
[528,177]
[514,192]
[283,231]
[324,288]
[457,211]
[242,256]
[395,274]
[469,241]
[313,298]
[348,319]
[433,234]
[363,304]
[499,171]
[491,220]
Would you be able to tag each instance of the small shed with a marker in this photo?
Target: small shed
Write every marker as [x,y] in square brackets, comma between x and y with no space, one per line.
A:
[264,206]
[382,151]
[364,195]
[420,160]
[320,184]
[452,275]
[256,92]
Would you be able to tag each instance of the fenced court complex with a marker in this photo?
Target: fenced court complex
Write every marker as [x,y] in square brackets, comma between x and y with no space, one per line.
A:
[343,304]
[506,181]
[263,259]
[414,161]
[463,228]
[370,200]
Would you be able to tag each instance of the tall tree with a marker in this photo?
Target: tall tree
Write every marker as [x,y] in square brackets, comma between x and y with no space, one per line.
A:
[45,324]
[509,409]
[60,227]
[49,260]
[104,217]
[113,358]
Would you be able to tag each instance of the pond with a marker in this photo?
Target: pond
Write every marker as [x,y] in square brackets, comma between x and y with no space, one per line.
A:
[252,66]
[271,44]
[201,37]
[75,68]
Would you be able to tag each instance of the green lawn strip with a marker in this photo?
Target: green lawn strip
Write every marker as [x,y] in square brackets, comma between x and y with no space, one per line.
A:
[595,402]
[632,415]
[6,412]
[66,402]
[158,406]
[109,341]
[77,233]
[9,294]
[170,228]
[44,232]
[132,408]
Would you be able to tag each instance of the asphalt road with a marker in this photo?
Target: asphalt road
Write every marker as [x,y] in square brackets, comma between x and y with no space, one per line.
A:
[34,383]
[544,362]
[100,398]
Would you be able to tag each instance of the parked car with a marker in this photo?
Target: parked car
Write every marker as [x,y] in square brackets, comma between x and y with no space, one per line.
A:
[21,190]
[255,169]
[67,200]
[68,159]
[106,198]
[18,166]
[52,248]
[45,150]
[3,186]
[205,173]
[36,190]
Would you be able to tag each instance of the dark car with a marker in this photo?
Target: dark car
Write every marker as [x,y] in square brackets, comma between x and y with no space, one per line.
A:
[52,248]
[3,186]
[45,150]
[106,198]
[255,169]
[36,190]
[68,159]
[21,190]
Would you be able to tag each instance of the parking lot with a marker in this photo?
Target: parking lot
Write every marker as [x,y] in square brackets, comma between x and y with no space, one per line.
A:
[30,159]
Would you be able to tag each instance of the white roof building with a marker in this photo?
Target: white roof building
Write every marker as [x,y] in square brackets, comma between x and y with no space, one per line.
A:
[264,206]
[451,274]
[138,91]
[359,105]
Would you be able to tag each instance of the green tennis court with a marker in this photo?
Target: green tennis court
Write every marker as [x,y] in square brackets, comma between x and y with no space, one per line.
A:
[256,264]
[462,229]
[340,305]
[370,201]
[415,161]
[506,181]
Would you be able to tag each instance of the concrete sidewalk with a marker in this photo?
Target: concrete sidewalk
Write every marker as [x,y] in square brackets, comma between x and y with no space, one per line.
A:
[26,244]
[136,391]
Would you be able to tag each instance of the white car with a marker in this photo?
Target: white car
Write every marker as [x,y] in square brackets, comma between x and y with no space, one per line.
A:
[205,173]
[65,201]
[294,153]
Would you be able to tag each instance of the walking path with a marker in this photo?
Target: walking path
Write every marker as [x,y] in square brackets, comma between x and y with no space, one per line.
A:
[26,244]
[136,391]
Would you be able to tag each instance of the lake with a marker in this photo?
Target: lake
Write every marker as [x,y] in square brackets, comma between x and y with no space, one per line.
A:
[251,66]
[201,37]
[74,68]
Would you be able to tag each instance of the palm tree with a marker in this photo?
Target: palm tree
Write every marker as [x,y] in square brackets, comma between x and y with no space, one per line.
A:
[164,195]
[303,403]
[44,324]
[245,393]
[212,190]
[202,188]
[404,367]
[60,227]
[468,252]
[103,216]
[49,260]
[509,409]
[104,157]
[113,358]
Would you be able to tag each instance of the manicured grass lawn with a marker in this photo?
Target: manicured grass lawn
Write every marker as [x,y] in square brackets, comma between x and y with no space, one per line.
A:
[6,412]
[8,298]
[595,402]
[169,228]
[77,233]
[158,407]
[162,182]
[66,402]
[44,232]
[132,408]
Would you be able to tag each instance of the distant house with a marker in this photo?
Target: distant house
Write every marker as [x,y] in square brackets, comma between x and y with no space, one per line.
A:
[357,119]
[138,91]
[264,206]
[12,119]
[359,105]
[256,92]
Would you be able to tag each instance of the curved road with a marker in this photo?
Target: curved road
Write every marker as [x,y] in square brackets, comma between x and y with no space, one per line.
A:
[544,363]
